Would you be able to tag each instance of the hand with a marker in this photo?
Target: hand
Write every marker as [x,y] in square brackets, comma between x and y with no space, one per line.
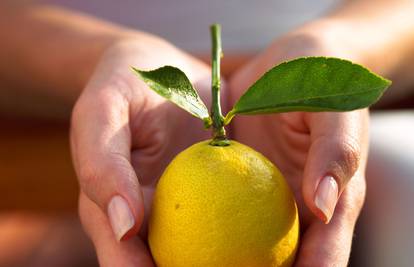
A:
[322,155]
[123,135]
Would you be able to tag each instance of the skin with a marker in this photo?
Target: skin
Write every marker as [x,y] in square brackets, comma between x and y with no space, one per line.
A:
[308,146]
[123,135]
[141,158]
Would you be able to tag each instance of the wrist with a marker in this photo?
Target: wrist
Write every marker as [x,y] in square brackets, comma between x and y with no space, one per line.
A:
[325,37]
[364,40]
[112,40]
[148,52]
[318,38]
[119,46]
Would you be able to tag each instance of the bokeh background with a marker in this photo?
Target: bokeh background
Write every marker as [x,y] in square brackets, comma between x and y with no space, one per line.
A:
[38,187]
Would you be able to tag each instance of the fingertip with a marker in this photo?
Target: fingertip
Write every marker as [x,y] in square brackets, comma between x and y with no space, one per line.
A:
[322,198]
[326,197]
[138,216]
[116,190]
[120,217]
[329,244]
[132,217]
[325,178]
[132,251]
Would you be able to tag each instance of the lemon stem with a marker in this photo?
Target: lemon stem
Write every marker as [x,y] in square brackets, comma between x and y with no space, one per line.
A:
[219,133]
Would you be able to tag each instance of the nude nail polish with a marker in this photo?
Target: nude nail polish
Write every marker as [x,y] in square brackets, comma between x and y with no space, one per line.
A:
[120,216]
[327,196]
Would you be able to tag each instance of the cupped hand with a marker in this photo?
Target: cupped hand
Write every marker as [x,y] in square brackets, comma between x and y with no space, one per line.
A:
[322,155]
[123,135]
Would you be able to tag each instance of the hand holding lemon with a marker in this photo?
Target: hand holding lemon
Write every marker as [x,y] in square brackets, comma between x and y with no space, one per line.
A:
[123,136]
[225,227]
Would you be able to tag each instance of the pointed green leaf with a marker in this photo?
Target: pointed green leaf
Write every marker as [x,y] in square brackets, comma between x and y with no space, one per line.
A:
[172,84]
[312,84]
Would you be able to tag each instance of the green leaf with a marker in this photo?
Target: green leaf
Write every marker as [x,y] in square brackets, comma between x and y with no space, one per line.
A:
[311,84]
[172,84]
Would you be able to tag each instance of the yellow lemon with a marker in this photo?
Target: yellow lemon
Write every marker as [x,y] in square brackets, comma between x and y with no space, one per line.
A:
[223,206]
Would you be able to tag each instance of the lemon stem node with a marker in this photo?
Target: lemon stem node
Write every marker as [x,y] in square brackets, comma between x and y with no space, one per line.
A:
[219,133]
[229,117]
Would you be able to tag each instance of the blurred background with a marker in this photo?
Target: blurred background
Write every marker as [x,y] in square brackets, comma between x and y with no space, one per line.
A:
[38,187]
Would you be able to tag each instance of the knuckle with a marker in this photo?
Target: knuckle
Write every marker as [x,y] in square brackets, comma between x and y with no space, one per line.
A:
[114,171]
[88,178]
[349,156]
[121,168]
[76,113]
[77,110]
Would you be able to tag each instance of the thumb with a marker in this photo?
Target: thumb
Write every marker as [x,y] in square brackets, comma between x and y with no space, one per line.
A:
[110,252]
[338,148]
[101,150]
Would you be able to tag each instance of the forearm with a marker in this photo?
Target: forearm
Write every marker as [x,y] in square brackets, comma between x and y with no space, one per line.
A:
[376,33]
[382,30]
[48,53]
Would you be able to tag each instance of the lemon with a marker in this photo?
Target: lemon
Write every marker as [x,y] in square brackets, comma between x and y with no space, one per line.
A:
[223,206]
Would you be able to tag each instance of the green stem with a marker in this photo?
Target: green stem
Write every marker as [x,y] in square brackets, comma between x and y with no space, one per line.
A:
[219,133]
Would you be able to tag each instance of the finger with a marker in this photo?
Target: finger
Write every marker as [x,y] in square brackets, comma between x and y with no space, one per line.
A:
[111,252]
[330,244]
[338,143]
[101,144]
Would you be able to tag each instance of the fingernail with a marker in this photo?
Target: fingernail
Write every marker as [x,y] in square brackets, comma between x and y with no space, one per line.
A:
[120,216]
[327,196]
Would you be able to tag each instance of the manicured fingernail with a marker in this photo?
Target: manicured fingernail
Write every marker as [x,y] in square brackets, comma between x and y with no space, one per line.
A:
[327,196]
[120,216]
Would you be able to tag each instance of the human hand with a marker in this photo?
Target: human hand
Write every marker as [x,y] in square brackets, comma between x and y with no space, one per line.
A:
[322,155]
[123,135]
